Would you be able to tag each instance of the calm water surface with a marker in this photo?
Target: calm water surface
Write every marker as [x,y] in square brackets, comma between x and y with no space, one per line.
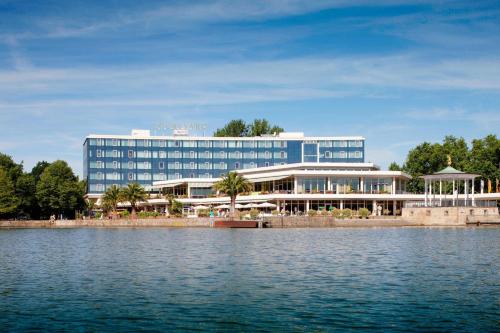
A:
[386,279]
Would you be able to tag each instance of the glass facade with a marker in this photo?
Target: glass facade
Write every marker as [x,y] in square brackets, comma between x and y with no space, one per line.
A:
[117,161]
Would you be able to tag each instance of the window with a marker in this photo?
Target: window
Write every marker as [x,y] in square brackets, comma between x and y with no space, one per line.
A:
[340,143]
[99,187]
[237,165]
[266,164]
[130,154]
[115,165]
[189,144]
[328,154]
[279,144]
[192,154]
[115,153]
[267,154]
[99,175]
[219,144]
[177,165]
[98,153]
[356,143]
[161,165]
[130,176]
[191,165]
[130,165]
[98,164]
[248,144]
[162,154]
[114,142]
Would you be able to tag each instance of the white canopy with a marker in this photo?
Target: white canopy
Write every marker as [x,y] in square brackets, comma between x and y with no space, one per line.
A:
[200,207]
[223,207]
[266,205]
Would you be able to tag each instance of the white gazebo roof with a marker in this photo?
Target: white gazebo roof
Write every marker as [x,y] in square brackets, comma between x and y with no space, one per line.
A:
[450,173]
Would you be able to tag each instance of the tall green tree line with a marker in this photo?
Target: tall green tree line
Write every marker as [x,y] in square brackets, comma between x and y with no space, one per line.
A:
[482,157]
[49,188]
[239,128]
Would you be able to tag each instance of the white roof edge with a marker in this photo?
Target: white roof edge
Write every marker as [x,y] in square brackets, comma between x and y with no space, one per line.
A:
[204,138]
[310,164]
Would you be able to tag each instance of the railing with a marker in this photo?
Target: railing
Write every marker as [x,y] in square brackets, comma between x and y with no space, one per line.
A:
[450,203]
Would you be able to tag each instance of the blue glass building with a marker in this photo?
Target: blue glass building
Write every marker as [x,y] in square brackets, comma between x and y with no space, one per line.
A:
[121,159]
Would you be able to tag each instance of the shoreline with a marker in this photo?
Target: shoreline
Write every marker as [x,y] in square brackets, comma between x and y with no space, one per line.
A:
[274,222]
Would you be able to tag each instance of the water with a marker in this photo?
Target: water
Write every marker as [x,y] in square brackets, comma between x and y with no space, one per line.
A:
[390,279]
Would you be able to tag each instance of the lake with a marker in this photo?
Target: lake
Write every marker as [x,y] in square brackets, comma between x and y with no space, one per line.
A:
[160,279]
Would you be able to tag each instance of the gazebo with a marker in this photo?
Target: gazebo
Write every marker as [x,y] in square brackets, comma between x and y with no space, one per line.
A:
[456,177]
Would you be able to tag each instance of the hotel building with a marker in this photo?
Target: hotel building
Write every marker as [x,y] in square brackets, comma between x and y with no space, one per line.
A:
[294,172]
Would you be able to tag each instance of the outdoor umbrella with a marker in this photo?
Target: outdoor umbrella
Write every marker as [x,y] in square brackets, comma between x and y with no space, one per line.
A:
[266,205]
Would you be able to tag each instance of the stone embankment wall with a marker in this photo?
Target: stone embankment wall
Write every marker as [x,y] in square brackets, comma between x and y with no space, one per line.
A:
[325,222]
[158,222]
[452,216]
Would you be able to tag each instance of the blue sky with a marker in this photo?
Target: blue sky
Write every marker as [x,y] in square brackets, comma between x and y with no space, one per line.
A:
[397,72]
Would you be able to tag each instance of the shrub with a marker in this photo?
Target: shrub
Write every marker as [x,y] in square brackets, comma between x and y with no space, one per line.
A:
[275,212]
[398,211]
[254,213]
[364,213]
[346,213]
[312,212]
[124,214]
[203,213]
[337,213]
[386,212]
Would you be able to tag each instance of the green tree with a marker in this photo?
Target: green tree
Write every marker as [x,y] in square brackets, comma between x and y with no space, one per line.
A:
[112,197]
[424,159]
[174,206]
[485,157]
[232,185]
[261,127]
[8,200]
[133,193]
[235,128]
[25,191]
[238,128]
[394,167]
[59,191]
[13,170]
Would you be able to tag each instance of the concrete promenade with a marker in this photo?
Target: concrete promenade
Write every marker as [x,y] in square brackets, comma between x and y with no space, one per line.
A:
[273,222]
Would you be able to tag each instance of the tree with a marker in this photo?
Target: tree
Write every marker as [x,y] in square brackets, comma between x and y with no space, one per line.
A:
[174,206]
[485,157]
[112,197]
[261,126]
[133,193]
[424,159]
[232,185]
[13,170]
[394,167]
[238,128]
[8,200]
[59,191]
[235,128]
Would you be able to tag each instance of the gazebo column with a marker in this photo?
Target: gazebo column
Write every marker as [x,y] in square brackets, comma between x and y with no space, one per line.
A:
[453,193]
[440,193]
[425,191]
[473,198]
[466,191]
[430,192]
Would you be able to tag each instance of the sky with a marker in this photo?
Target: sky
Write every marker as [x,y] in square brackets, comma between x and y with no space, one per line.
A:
[398,72]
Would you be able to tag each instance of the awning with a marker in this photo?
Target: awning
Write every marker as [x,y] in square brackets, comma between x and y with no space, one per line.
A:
[267,179]
[205,185]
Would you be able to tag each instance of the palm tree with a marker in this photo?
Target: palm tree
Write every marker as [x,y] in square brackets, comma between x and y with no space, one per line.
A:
[112,197]
[232,185]
[133,193]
